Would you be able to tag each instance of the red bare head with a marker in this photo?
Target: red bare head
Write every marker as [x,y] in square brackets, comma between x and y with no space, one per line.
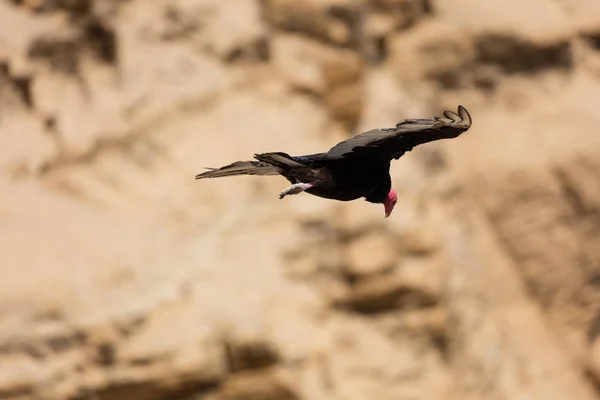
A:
[390,202]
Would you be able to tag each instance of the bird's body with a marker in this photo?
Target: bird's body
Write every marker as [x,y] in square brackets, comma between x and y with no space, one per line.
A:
[345,180]
[354,168]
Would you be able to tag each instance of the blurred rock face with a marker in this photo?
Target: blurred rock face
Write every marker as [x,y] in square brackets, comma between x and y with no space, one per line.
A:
[122,278]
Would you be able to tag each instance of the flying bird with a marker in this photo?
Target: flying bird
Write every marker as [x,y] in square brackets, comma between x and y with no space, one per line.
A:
[354,168]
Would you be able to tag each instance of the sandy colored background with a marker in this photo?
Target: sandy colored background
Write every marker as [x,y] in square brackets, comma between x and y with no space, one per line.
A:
[123,278]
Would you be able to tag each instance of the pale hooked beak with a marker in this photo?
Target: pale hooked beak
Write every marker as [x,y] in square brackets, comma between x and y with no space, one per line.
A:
[390,202]
[389,207]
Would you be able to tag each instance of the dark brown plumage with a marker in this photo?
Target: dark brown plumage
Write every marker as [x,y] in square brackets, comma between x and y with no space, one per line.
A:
[356,167]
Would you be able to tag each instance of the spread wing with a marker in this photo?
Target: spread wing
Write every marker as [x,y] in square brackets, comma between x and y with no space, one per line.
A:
[388,143]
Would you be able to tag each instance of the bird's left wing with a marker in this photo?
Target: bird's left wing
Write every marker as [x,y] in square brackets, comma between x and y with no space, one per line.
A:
[394,142]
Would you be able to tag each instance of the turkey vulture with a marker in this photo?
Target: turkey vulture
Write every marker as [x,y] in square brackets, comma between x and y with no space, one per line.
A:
[357,167]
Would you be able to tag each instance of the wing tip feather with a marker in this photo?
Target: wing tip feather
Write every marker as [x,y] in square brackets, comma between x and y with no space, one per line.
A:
[465,115]
[461,119]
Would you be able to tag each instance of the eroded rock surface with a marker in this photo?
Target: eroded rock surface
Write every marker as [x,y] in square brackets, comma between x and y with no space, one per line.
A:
[122,278]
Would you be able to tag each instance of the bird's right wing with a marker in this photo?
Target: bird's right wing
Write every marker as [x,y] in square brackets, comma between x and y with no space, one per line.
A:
[388,143]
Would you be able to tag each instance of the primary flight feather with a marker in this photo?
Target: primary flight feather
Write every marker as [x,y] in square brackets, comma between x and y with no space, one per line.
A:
[354,168]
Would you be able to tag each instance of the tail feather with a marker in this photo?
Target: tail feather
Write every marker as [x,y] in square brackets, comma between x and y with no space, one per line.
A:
[240,168]
[280,160]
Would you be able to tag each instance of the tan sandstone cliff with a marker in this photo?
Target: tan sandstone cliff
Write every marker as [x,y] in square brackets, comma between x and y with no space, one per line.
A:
[123,278]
